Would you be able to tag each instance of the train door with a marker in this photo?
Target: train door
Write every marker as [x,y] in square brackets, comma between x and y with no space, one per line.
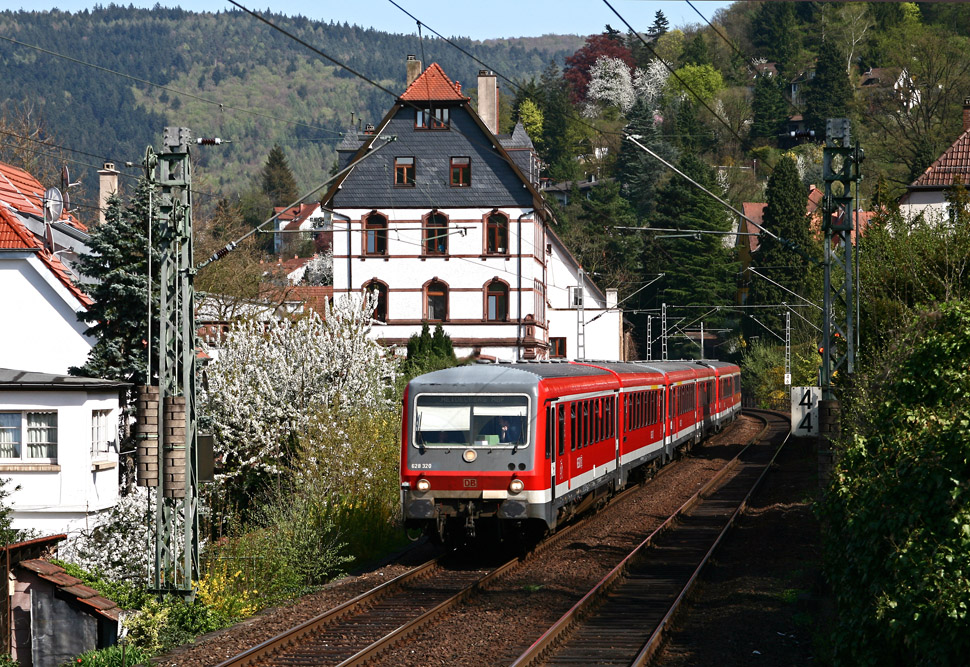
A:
[556,444]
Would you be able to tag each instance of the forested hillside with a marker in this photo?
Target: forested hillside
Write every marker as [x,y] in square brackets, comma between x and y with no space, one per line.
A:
[241,81]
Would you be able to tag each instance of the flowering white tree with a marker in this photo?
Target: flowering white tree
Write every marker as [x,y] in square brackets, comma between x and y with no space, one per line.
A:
[118,543]
[319,270]
[609,85]
[271,380]
[612,83]
[648,84]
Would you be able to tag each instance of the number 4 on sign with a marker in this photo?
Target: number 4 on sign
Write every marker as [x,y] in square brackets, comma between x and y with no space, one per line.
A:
[804,410]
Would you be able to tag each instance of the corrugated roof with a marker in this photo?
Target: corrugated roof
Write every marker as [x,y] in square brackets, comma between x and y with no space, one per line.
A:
[955,161]
[433,86]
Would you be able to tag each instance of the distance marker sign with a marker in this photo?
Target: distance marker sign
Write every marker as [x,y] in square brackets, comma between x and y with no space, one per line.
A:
[804,410]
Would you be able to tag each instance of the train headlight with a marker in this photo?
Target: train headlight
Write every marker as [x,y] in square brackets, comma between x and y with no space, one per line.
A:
[516,486]
[423,484]
[469,455]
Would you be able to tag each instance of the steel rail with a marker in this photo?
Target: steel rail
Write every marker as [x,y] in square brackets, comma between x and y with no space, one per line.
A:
[656,639]
[303,631]
[560,629]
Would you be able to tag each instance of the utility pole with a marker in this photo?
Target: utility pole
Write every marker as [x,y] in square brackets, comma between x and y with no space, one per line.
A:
[787,347]
[581,317]
[663,327]
[649,338]
[176,497]
[840,171]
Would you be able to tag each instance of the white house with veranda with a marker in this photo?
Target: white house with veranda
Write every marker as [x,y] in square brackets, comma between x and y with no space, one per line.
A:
[447,225]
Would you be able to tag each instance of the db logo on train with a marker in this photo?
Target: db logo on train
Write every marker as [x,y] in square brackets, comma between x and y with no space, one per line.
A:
[470,483]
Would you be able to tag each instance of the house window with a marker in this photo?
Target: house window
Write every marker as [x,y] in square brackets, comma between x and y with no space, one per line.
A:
[41,431]
[404,172]
[375,230]
[102,432]
[497,301]
[437,301]
[436,234]
[497,234]
[380,310]
[461,172]
[557,347]
[432,119]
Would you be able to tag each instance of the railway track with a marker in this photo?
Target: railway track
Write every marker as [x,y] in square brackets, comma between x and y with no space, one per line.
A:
[358,631]
[624,618]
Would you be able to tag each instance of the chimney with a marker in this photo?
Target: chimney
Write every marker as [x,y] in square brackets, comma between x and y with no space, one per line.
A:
[966,114]
[488,99]
[413,68]
[107,186]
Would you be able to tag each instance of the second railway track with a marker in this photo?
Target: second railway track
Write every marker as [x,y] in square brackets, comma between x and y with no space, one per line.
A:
[359,630]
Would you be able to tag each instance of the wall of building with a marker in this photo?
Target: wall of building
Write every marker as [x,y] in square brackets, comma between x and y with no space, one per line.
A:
[44,333]
[932,203]
[63,496]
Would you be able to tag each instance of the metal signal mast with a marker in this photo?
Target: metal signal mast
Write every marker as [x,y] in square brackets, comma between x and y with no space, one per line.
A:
[177,493]
[840,171]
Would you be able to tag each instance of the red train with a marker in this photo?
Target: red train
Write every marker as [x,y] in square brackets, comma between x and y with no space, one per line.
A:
[524,446]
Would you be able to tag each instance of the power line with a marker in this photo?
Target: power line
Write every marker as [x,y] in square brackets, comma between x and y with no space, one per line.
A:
[736,49]
[193,96]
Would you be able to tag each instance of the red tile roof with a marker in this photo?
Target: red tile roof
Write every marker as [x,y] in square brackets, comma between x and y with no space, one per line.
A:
[755,211]
[24,193]
[955,161]
[14,236]
[313,297]
[72,586]
[295,215]
[433,86]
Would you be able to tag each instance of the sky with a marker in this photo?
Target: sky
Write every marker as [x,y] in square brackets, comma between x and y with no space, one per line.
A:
[490,19]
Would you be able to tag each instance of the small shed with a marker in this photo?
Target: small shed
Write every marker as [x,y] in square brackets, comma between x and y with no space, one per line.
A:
[51,616]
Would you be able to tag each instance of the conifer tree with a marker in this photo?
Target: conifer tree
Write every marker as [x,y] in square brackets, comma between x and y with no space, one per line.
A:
[784,216]
[829,94]
[696,52]
[119,264]
[636,170]
[277,178]
[660,24]
[774,30]
[699,269]
[769,109]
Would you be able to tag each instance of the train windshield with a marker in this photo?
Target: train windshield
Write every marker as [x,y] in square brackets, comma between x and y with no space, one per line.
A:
[450,420]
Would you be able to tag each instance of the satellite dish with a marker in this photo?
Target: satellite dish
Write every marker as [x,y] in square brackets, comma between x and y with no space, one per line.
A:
[53,205]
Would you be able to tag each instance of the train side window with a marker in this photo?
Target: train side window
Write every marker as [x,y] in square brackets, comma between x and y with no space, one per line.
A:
[550,430]
[626,413]
[574,427]
[598,421]
[562,429]
[585,438]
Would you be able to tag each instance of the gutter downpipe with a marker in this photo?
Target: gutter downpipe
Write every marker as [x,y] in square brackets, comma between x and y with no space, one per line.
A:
[518,328]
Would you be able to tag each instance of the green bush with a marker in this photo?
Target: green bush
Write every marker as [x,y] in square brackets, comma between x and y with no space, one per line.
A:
[897,548]
[112,656]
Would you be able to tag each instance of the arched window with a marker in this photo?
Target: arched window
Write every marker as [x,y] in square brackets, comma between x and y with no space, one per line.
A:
[380,310]
[496,301]
[436,301]
[497,234]
[375,234]
[436,234]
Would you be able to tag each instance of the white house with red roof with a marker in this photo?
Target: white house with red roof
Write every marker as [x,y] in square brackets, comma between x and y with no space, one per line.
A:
[927,194]
[40,303]
[447,224]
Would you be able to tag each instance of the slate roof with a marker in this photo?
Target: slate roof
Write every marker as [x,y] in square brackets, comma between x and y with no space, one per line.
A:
[14,236]
[15,379]
[22,192]
[87,597]
[955,161]
[493,182]
[518,139]
[433,86]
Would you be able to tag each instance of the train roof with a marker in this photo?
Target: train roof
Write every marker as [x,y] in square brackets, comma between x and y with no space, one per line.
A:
[510,377]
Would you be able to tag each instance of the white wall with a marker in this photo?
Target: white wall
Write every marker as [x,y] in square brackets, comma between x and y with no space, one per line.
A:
[466,269]
[42,333]
[931,202]
[53,501]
